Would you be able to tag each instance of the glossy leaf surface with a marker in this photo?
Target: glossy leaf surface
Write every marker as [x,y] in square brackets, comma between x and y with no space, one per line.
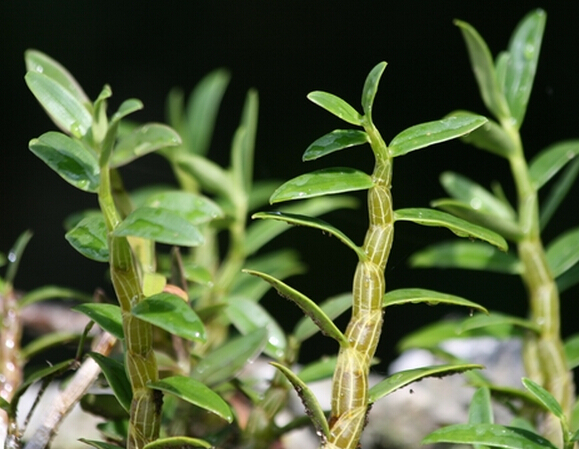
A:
[545,398]
[332,307]
[327,181]
[430,297]
[482,64]
[160,225]
[563,252]
[194,392]
[406,377]
[462,228]
[480,409]
[197,209]
[89,237]
[336,140]
[107,316]
[430,133]
[495,319]
[493,435]
[316,223]
[142,141]
[549,161]
[572,351]
[558,192]
[309,307]
[171,313]
[116,376]
[69,159]
[490,137]
[371,87]
[467,255]
[336,106]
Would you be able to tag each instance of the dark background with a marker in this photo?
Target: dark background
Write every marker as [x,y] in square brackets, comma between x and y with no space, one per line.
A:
[285,50]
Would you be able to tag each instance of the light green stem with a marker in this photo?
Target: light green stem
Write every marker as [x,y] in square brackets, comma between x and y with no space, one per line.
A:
[141,366]
[350,382]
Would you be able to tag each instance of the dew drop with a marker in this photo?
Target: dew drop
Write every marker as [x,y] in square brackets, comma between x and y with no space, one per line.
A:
[475,203]
[12,256]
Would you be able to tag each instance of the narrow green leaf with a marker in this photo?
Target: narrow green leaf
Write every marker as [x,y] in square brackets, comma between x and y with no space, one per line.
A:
[495,319]
[142,141]
[248,316]
[494,435]
[52,292]
[100,124]
[546,398]
[227,361]
[484,71]
[211,177]
[466,255]
[524,49]
[327,181]
[116,376]
[202,108]
[160,225]
[430,297]
[89,237]
[197,209]
[65,110]
[572,351]
[568,279]
[99,444]
[316,223]
[406,377]
[480,409]
[430,133]
[558,192]
[309,307]
[563,252]
[127,107]
[177,442]
[15,255]
[371,87]
[198,274]
[313,408]
[549,161]
[39,62]
[243,147]
[462,228]
[336,140]
[490,137]
[46,341]
[319,370]
[107,316]
[196,393]
[4,405]
[332,307]
[171,313]
[336,106]
[69,159]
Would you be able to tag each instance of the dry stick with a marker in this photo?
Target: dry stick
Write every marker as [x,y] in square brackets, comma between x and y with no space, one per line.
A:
[65,401]
[350,382]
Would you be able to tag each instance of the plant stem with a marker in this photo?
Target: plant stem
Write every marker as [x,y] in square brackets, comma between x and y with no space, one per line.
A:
[140,362]
[543,354]
[350,382]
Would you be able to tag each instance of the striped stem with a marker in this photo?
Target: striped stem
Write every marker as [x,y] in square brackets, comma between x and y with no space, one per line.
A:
[350,382]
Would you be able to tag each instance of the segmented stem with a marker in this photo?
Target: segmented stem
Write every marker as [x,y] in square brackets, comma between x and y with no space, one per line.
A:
[350,382]
[140,362]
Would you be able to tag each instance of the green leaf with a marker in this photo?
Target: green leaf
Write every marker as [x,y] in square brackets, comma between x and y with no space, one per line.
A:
[177,442]
[558,192]
[310,308]
[572,351]
[69,159]
[336,140]
[430,297]
[89,237]
[493,435]
[563,252]
[462,228]
[160,225]
[484,71]
[568,279]
[248,316]
[313,408]
[65,110]
[371,87]
[171,313]
[406,377]
[243,147]
[107,316]
[39,62]
[4,404]
[211,177]
[100,122]
[197,209]
[198,274]
[430,133]
[142,141]
[99,444]
[490,137]
[127,107]
[116,376]
[327,181]
[549,161]
[524,49]
[332,307]
[466,255]
[52,292]
[495,319]
[227,361]
[316,223]
[46,341]
[546,398]
[194,392]
[15,256]
[336,106]
[319,370]
[480,409]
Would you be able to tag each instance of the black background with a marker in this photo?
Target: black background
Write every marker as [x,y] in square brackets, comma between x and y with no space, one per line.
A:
[285,50]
